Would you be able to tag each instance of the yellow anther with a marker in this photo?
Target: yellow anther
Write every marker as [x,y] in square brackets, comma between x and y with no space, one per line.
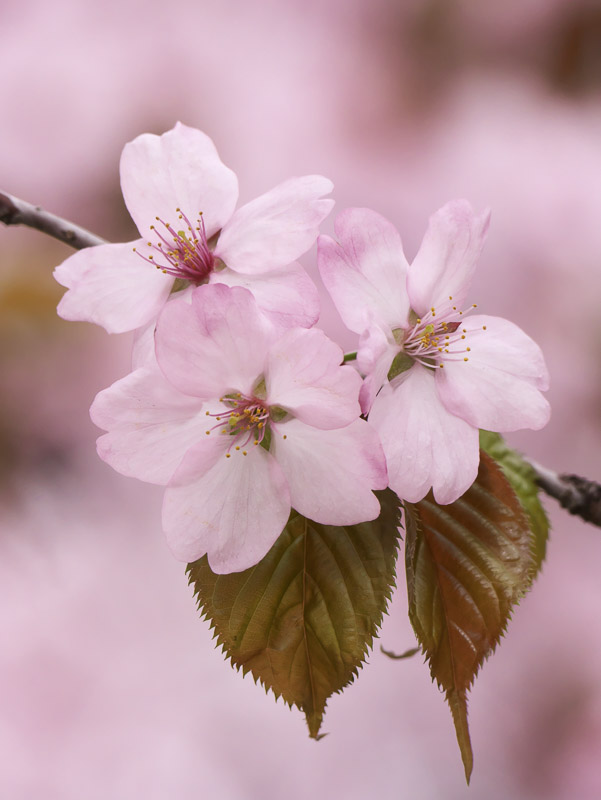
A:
[227,455]
[152,227]
[244,453]
[432,309]
[256,442]
[465,330]
[237,448]
[207,432]
[474,305]
[284,436]
[450,297]
[418,321]
[463,337]
[468,349]
[454,308]
[441,366]
[134,249]
[207,414]
[484,327]
[466,359]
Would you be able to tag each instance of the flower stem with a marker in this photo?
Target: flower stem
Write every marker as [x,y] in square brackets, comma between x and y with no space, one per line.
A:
[349,357]
[18,212]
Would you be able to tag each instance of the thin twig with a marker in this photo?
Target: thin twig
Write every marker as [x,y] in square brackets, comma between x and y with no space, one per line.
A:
[579,496]
[17,212]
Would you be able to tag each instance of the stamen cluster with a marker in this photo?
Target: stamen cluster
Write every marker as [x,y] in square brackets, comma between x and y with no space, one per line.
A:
[245,419]
[438,336]
[187,254]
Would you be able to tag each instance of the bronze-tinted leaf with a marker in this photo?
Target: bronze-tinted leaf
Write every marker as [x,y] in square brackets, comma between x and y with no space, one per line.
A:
[302,620]
[521,476]
[467,564]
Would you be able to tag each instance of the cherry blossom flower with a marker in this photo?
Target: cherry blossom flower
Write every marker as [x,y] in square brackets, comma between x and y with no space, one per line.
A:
[435,371]
[241,422]
[182,199]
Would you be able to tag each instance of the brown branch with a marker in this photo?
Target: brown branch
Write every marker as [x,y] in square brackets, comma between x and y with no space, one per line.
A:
[579,496]
[17,212]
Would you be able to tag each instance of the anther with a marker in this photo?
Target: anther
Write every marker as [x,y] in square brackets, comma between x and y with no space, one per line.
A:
[466,359]
[244,453]
[468,349]
[284,436]
[208,433]
[484,327]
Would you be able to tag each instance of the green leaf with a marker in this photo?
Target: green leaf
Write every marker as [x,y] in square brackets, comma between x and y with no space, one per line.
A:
[467,564]
[521,476]
[302,620]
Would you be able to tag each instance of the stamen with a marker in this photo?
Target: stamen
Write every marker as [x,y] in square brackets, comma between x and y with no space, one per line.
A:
[187,254]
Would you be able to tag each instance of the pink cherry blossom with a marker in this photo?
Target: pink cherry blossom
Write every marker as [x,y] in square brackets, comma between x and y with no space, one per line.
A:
[182,199]
[434,375]
[242,422]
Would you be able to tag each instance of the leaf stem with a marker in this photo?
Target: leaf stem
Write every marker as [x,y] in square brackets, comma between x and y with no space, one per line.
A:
[579,496]
[18,212]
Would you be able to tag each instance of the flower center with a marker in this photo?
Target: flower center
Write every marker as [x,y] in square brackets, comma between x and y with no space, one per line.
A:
[244,419]
[185,254]
[438,336]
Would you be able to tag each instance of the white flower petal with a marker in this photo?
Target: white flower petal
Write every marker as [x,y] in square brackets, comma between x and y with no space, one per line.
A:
[331,473]
[180,169]
[304,375]
[366,272]
[276,228]
[112,286]
[498,387]
[287,296]
[150,425]
[233,510]
[446,260]
[425,445]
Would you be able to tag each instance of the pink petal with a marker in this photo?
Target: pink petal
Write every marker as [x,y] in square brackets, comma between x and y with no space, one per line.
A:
[366,273]
[180,169]
[214,345]
[111,286]
[277,227]
[151,425]
[143,351]
[498,387]
[234,509]
[375,355]
[304,376]
[425,445]
[331,473]
[447,257]
[287,296]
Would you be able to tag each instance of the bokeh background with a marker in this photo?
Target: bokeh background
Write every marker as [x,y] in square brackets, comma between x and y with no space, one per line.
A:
[109,683]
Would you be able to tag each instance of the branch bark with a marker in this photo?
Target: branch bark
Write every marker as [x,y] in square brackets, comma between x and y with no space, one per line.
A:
[579,496]
[18,212]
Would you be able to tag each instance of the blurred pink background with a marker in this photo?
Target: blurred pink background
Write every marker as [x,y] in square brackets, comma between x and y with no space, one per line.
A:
[109,683]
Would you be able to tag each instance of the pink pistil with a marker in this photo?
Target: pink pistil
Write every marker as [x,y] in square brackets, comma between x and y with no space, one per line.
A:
[438,336]
[244,418]
[186,253]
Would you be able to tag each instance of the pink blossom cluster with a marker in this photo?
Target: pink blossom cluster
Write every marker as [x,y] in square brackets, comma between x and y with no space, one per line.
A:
[239,405]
